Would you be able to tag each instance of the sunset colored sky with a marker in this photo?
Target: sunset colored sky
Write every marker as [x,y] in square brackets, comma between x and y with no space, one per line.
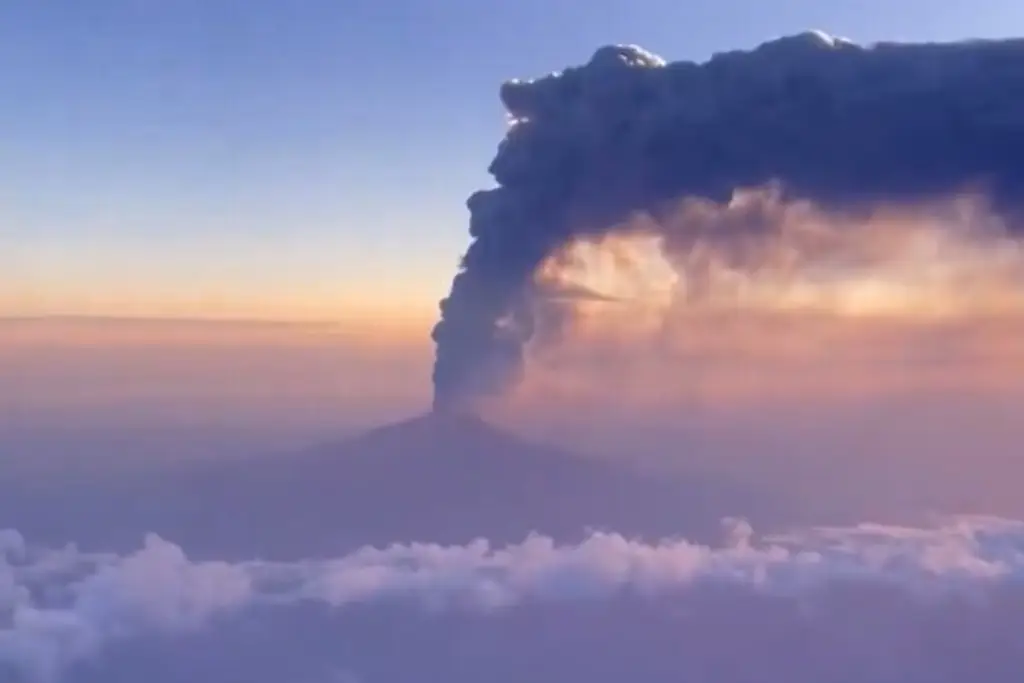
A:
[271,160]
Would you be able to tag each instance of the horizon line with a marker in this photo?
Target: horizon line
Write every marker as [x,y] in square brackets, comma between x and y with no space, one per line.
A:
[191,319]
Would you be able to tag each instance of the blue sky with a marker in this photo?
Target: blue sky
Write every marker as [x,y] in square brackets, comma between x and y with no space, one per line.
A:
[307,158]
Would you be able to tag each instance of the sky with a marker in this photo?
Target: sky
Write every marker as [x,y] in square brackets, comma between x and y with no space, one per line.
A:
[298,161]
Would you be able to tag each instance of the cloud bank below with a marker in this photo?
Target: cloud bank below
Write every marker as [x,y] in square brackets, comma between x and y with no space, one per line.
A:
[59,606]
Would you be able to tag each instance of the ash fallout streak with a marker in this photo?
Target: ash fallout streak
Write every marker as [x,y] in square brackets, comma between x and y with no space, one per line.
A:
[843,126]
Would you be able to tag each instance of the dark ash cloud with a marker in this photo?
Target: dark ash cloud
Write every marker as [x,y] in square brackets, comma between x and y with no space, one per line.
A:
[826,120]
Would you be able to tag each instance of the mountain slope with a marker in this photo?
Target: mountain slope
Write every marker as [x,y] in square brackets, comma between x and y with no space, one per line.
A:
[436,478]
[444,480]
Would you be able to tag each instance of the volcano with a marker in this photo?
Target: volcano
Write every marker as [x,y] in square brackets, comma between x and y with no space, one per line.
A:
[444,479]
[436,478]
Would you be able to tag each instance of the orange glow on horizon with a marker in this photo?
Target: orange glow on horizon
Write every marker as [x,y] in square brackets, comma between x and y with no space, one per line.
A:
[382,333]
[270,309]
[812,309]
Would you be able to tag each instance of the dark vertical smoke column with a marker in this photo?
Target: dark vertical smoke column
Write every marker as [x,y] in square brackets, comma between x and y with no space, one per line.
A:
[828,120]
[487,319]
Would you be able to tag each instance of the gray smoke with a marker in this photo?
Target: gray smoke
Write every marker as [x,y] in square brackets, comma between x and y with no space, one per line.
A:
[825,120]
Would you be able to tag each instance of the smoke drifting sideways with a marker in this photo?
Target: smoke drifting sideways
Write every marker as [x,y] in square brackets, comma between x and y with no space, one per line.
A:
[58,607]
[810,118]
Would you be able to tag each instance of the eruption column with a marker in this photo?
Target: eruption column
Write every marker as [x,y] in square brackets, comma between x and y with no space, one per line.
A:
[841,125]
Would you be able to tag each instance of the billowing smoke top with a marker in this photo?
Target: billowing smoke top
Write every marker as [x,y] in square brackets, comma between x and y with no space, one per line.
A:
[824,119]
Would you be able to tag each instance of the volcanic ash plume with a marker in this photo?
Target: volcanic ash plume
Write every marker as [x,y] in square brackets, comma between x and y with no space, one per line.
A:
[819,120]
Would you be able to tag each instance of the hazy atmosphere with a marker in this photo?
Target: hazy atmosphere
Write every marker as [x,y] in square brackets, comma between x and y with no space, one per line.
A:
[382,342]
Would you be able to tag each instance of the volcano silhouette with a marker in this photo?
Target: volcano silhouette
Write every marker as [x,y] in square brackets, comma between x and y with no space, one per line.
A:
[436,478]
[444,479]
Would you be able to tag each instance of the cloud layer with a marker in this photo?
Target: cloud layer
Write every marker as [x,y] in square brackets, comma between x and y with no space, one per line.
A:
[59,606]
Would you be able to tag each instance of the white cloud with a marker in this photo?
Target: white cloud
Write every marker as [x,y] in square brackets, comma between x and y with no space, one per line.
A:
[57,606]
